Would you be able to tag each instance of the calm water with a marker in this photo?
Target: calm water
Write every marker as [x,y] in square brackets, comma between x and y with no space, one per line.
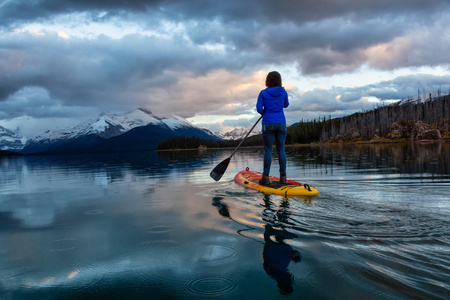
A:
[149,226]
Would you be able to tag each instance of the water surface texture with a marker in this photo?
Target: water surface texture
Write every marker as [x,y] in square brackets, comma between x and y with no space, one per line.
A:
[155,225]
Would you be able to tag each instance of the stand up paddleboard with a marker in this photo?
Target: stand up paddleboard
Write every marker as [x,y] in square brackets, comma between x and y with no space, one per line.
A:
[251,179]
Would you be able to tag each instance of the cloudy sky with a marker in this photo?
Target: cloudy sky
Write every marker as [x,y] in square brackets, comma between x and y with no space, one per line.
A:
[64,61]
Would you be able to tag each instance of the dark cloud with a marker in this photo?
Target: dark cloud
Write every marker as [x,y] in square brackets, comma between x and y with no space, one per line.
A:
[104,72]
[216,45]
[323,37]
[407,86]
[333,39]
[36,102]
[13,13]
[266,10]
[340,99]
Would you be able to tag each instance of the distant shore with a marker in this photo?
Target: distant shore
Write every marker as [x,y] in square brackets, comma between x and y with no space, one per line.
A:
[4,153]
[390,141]
[370,142]
[445,139]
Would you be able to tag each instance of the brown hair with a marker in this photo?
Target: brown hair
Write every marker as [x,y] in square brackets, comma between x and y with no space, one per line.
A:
[273,79]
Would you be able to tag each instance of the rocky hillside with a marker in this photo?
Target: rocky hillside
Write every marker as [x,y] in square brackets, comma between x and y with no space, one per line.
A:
[419,120]
[400,130]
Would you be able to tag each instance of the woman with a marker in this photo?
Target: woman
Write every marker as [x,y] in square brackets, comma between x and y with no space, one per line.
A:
[271,102]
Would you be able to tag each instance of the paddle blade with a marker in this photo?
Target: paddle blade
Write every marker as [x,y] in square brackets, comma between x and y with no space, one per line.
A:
[218,171]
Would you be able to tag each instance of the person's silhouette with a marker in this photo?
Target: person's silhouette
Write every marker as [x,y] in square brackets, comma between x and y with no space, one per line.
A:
[277,255]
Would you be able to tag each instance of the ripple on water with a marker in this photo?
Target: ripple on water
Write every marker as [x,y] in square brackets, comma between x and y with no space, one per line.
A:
[93,212]
[415,271]
[159,247]
[326,278]
[159,229]
[157,204]
[207,253]
[150,265]
[162,225]
[62,245]
[311,277]
[212,286]
[216,253]
[361,222]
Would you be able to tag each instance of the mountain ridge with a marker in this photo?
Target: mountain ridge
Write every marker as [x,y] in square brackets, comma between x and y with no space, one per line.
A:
[109,132]
[10,140]
[238,133]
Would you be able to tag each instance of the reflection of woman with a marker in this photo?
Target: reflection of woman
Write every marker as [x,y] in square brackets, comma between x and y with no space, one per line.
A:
[277,255]
[271,102]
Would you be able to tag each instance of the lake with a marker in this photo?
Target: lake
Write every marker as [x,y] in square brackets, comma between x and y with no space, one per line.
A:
[154,225]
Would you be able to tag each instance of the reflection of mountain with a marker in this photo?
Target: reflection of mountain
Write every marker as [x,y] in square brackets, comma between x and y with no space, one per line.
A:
[139,130]
[183,156]
[41,187]
[77,180]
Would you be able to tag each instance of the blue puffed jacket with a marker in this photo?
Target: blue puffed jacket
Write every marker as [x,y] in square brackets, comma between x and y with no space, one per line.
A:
[271,101]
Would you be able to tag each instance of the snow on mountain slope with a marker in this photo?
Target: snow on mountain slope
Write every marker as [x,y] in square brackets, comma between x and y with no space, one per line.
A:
[65,133]
[10,140]
[238,133]
[175,122]
[111,125]
[106,126]
[127,121]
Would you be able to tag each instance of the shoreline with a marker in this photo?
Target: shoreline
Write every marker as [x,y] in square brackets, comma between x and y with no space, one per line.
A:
[376,142]
[387,141]
[242,147]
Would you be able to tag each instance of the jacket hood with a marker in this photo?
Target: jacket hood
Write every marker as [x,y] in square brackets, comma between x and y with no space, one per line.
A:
[274,92]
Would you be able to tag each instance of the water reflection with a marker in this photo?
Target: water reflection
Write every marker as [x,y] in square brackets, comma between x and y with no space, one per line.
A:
[432,157]
[149,225]
[277,253]
[277,257]
[34,190]
[221,207]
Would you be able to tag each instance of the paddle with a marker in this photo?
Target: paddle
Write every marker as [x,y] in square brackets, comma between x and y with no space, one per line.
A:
[218,171]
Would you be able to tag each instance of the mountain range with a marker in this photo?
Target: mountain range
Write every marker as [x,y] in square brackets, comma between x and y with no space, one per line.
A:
[135,131]
[238,133]
[10,140]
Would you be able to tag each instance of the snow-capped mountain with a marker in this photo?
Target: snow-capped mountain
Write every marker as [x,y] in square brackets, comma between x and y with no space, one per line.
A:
[111,125]
[10,140]
[238,133]
[137,130]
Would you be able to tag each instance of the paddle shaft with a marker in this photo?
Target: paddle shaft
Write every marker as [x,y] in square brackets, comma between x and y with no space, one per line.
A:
[251,129]
[218,171]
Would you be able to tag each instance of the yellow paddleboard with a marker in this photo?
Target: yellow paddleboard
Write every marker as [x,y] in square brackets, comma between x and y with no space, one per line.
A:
[251,179]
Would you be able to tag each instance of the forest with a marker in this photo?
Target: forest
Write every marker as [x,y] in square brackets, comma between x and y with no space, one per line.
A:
[411,118]
[408,116]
